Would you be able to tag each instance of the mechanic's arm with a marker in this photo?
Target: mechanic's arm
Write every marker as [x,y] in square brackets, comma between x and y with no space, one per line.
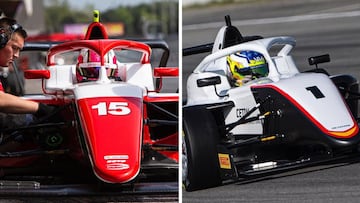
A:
[13,104]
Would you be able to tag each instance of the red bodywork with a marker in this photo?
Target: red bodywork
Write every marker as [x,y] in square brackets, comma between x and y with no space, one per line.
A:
[109,124]
[114,138]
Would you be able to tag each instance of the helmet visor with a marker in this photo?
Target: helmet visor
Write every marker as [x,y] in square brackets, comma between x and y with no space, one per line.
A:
[260,70]
[88,72]
[255,71]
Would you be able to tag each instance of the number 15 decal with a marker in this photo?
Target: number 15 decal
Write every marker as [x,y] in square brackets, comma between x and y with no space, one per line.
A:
[114,108]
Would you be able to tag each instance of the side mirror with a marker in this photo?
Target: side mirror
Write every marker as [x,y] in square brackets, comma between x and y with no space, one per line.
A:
[319,59]
[37,74]
[166,72]
[208,81]
[160,72]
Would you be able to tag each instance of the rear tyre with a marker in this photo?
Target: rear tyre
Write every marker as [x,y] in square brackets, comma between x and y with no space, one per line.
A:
[201,136]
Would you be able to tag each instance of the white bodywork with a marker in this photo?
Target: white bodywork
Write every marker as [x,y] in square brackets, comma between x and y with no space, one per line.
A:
[283,75]
[280,66]
[329,111]
[63,77]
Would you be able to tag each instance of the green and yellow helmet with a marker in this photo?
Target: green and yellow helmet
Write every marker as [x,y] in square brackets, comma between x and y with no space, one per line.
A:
[246,63]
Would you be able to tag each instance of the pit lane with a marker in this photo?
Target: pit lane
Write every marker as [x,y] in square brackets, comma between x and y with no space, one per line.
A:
[320,27]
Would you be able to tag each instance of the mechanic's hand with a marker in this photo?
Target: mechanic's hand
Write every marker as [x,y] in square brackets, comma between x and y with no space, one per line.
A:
[44,110]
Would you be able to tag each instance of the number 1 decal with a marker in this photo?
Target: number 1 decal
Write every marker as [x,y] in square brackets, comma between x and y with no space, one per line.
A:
[114,108]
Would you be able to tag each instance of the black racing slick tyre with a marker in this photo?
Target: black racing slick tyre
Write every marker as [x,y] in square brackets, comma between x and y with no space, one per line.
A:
[201,138]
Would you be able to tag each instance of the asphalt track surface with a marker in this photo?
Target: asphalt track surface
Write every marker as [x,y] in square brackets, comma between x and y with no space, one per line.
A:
[320,27]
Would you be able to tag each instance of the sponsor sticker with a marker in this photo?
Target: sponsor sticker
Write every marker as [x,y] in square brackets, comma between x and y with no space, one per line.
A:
[224,160]
[116,162]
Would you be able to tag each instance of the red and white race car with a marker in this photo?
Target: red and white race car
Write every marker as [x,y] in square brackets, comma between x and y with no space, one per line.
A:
[117,131]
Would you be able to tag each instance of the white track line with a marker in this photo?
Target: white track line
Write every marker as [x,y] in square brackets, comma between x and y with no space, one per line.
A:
[273,20]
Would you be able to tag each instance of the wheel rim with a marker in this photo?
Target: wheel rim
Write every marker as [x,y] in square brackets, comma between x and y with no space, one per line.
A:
[184,160]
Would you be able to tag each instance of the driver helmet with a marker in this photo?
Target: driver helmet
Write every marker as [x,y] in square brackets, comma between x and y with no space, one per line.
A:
[88,65]
[247,64]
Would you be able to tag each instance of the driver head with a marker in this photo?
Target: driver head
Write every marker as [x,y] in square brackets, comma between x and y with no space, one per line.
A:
[247,64]
[89,63]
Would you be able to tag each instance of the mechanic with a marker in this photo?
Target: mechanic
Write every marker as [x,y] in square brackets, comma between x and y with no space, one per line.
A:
[15,111]
[245,66]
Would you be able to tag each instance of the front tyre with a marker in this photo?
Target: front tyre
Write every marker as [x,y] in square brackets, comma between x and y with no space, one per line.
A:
[201,168]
